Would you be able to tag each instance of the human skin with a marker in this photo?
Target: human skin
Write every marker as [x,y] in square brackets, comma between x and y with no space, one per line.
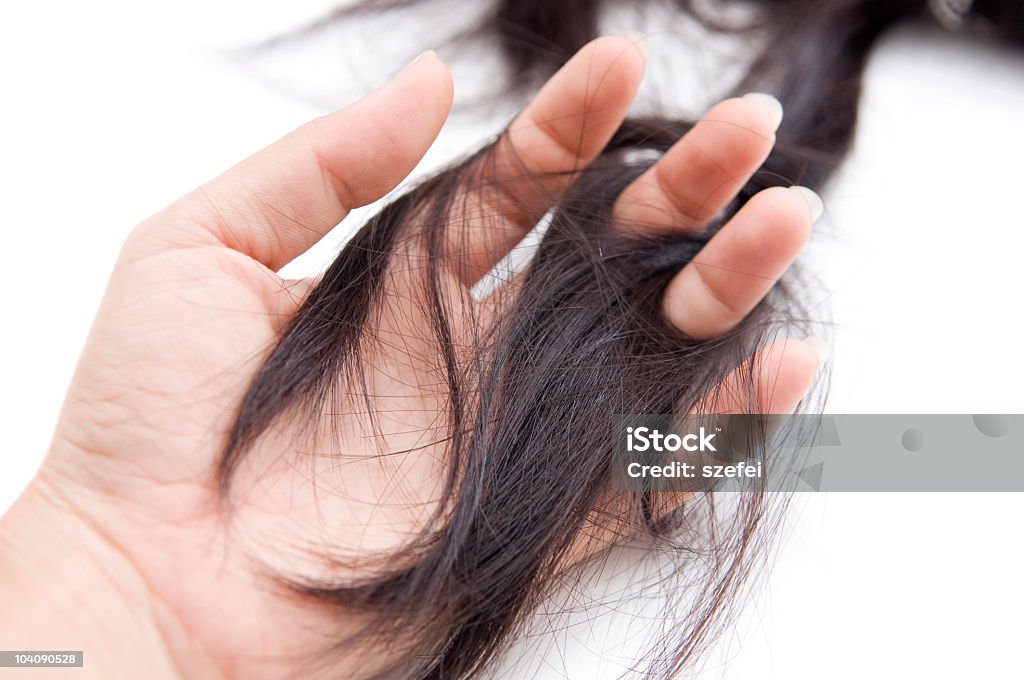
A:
[119,546]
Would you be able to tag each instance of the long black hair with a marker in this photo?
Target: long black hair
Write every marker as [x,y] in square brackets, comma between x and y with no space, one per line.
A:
[528,383]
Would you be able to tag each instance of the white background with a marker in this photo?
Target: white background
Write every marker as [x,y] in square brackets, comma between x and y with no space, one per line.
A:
[112,109]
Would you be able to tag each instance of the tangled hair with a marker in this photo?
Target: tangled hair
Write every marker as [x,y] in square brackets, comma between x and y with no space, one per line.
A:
[530,378]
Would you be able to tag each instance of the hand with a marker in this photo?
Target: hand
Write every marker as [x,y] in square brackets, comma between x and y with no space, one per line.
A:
[118,546]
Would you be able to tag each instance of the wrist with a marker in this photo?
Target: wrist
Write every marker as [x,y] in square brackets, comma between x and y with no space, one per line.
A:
[65,587]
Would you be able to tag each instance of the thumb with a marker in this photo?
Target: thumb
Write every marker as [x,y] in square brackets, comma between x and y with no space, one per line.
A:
[277,203]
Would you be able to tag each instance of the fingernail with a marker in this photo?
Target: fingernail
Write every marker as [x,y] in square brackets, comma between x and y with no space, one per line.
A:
[640,40]
[814,201]
[770,104]
[820,347]
[419,57]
